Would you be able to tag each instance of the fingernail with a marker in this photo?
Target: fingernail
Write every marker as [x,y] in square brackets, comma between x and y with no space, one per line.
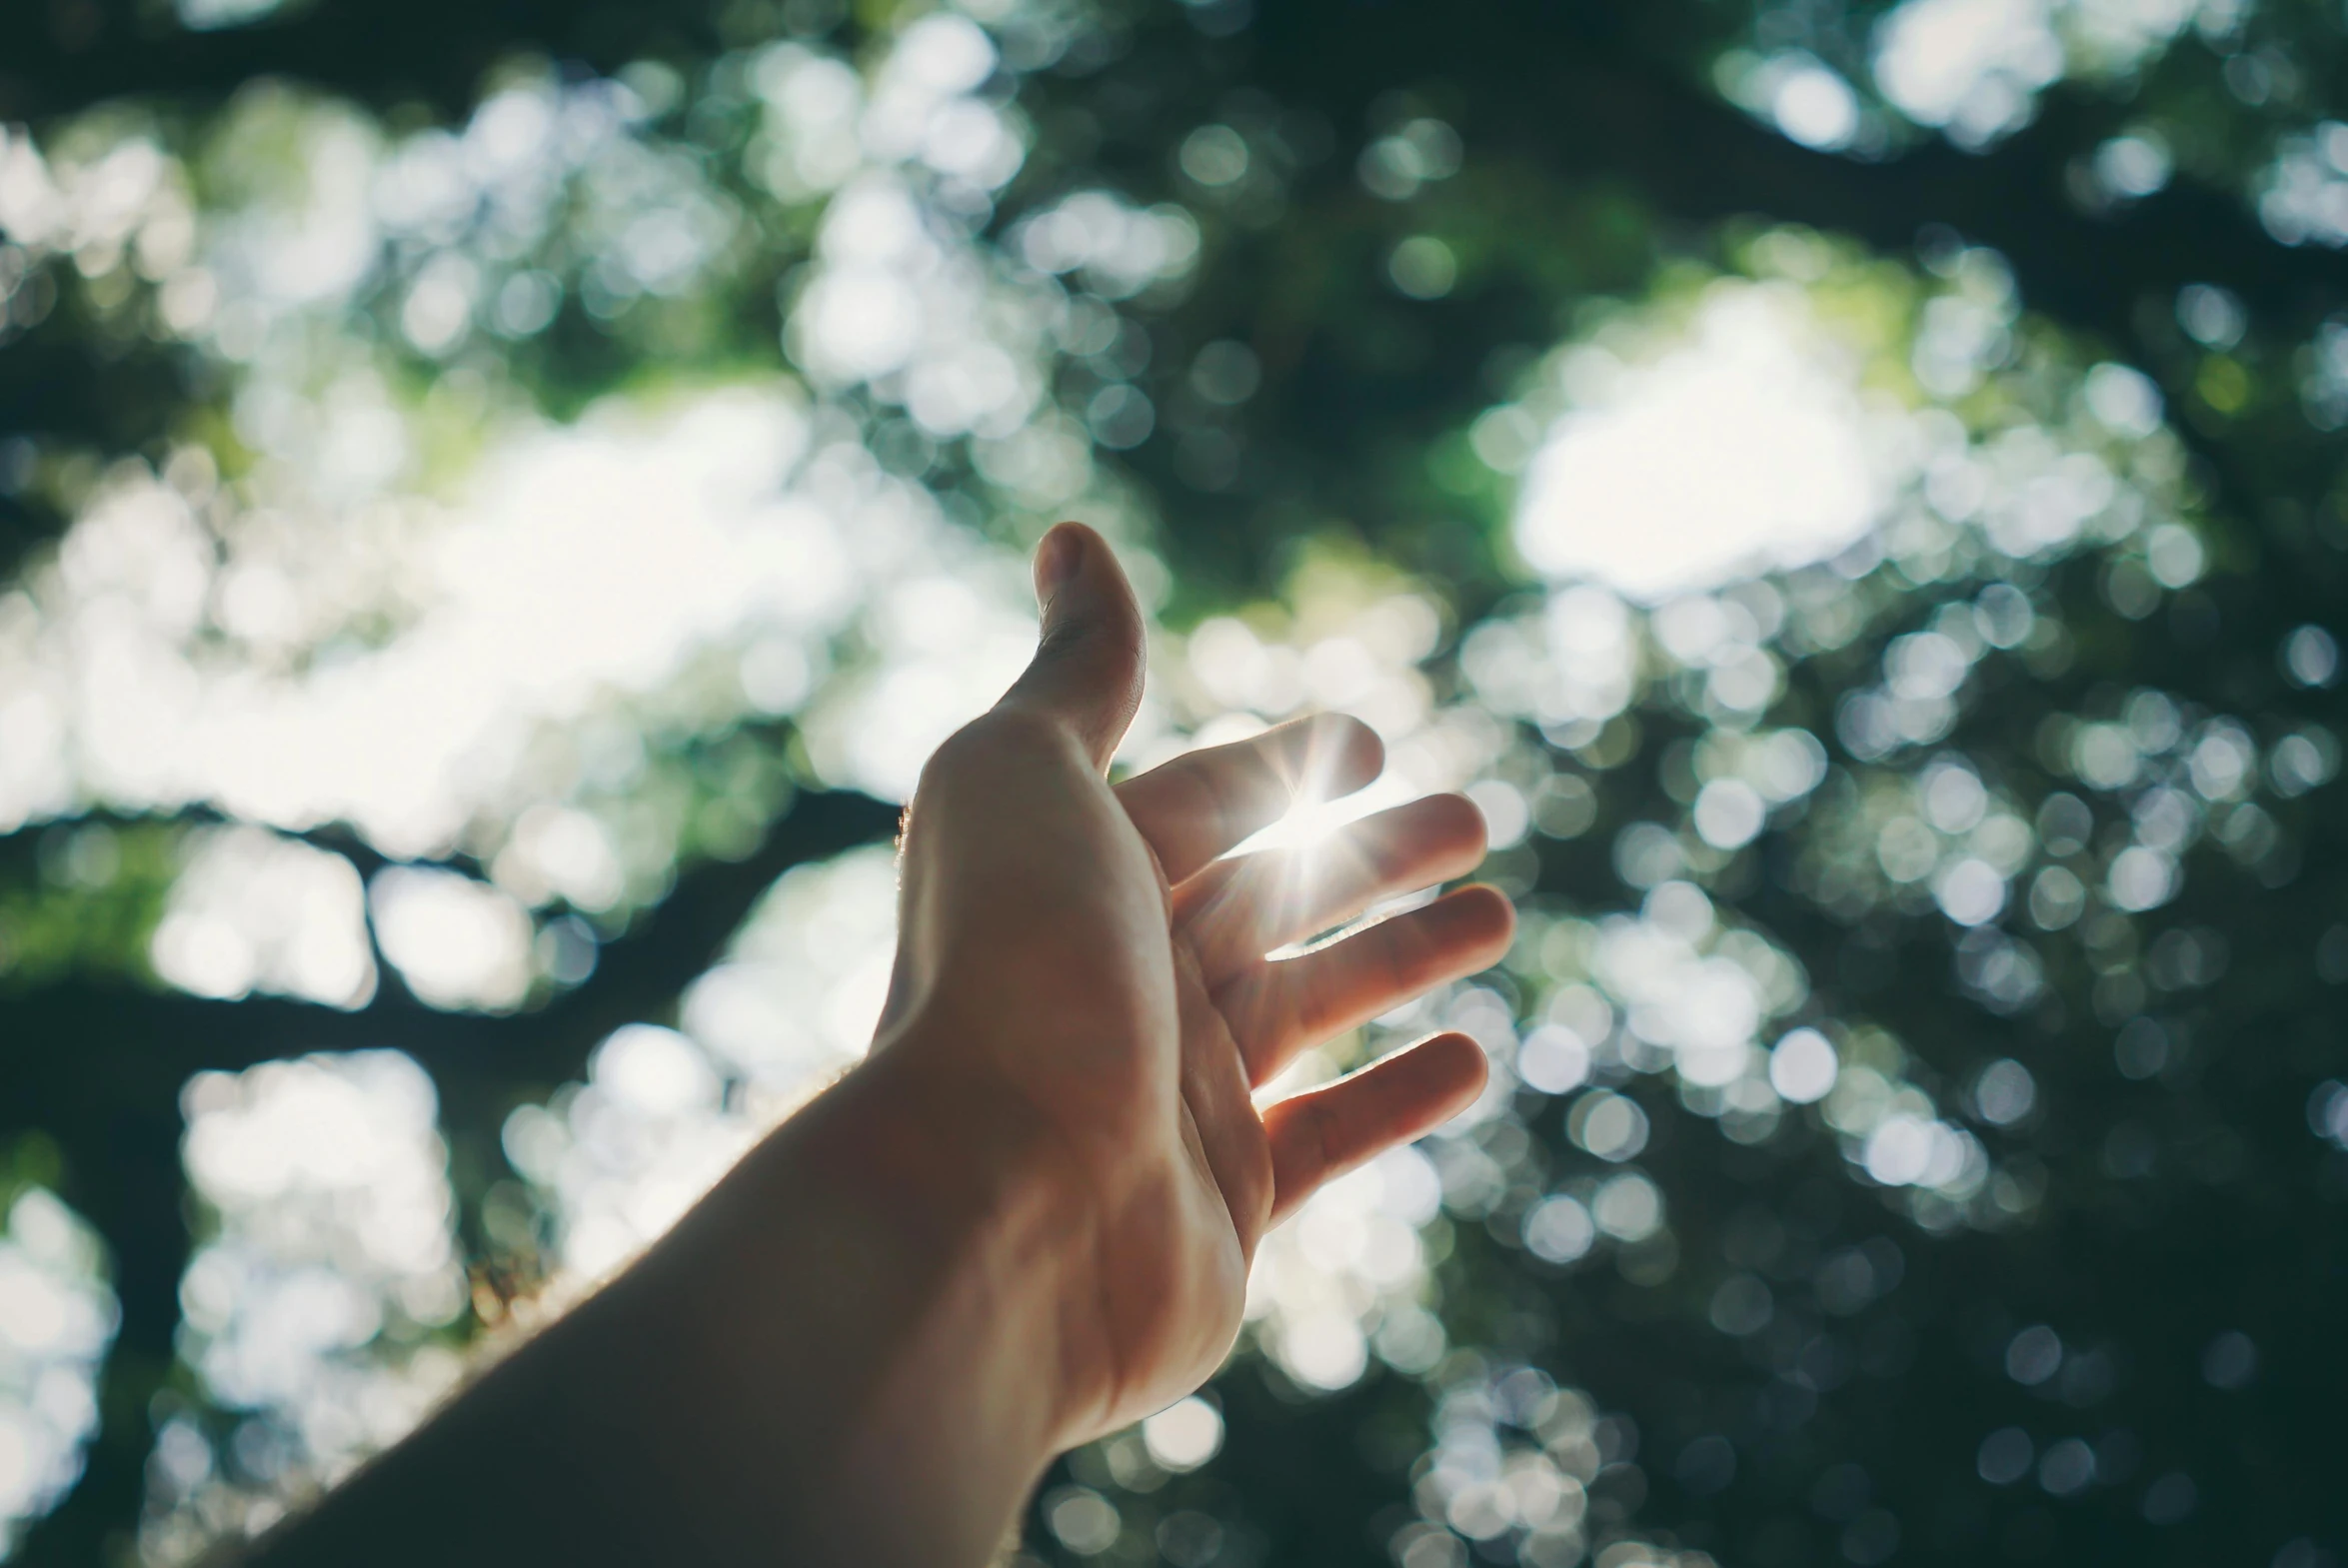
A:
[1057,561]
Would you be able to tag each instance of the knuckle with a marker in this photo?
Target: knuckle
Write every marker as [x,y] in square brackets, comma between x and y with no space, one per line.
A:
[1106,650]
[1068,635]
[1093,637]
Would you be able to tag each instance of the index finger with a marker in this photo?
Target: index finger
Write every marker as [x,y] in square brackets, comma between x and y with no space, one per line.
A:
[1200,804]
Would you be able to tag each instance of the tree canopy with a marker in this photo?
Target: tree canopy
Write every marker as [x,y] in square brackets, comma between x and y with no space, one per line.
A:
[497,500]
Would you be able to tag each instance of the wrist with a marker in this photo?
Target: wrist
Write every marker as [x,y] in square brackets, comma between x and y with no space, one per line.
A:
[958,1165]
[854,1341]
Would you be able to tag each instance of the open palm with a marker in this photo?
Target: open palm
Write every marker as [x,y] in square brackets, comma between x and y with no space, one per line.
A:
[1089,965]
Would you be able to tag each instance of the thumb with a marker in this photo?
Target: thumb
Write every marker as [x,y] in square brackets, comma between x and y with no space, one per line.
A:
[1086,672]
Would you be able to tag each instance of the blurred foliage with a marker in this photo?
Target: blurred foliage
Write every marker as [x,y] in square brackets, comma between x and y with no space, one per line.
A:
[2112,1334]
[84,896]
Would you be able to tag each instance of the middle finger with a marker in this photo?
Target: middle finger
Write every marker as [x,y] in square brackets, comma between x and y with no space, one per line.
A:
[1275,1010]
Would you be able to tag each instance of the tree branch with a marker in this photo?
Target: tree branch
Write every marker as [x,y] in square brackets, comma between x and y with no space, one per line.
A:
[77,1049]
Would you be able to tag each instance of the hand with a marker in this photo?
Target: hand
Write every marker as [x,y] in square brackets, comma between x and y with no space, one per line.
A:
[1077,958]
[1028,1219]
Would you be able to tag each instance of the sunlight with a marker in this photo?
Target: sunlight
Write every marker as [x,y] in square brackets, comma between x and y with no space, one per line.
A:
[1741,451]
[1972,66]
[1307,826]
[58,1316]
[253,911]
[329,1261]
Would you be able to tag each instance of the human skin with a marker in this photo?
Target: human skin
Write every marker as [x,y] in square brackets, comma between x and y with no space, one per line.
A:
[1027,1219]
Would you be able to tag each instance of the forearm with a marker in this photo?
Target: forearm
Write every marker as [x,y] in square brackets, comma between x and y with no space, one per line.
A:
[847,1353]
